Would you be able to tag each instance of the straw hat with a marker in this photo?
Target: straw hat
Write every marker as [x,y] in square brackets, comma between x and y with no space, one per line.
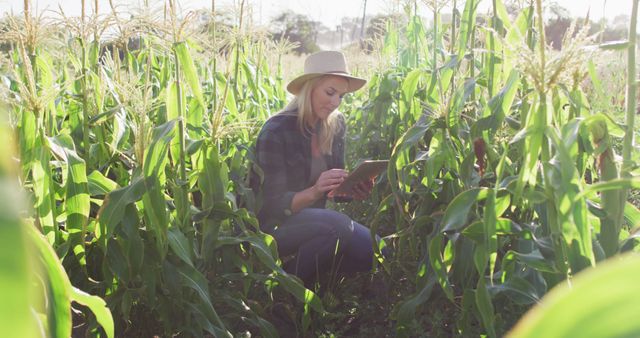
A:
[325,63]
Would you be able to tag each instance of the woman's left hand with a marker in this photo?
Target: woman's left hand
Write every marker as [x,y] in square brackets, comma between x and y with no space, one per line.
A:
[362,189]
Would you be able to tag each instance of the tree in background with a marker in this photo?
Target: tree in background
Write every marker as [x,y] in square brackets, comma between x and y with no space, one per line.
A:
[298,29]
[560,21]
[309,34]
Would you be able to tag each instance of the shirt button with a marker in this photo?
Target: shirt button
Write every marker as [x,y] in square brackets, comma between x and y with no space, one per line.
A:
[287,212]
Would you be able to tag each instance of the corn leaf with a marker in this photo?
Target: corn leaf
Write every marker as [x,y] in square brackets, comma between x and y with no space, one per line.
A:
[98,184]
[43,189]
[189,69]
[196,281]
[16,319]
[615,184]
[437,263]
[179,244]
[467,26]
[456,214]
[57,286]
[154,203]
[98,307]
[113,208]
[603,293]
[485,307]
[28,140]
[77,204]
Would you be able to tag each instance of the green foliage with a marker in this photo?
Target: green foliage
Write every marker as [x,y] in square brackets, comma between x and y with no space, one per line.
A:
[36,290]
[494,183]
[15,277]
[134,170]
[502,183]
[603,293]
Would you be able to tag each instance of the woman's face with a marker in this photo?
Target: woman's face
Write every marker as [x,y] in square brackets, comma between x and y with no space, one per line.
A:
[327,95]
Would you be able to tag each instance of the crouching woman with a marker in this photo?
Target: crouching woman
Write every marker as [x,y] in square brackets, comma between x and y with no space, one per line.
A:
[300,151]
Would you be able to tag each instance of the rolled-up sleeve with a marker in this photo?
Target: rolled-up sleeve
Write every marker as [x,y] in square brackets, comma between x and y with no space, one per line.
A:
[271,159]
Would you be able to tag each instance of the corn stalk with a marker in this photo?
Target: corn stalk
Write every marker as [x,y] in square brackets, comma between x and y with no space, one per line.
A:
[85,84]
[613,202]
[632,86]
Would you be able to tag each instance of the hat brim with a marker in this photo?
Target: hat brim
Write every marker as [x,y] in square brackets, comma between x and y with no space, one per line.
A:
[354,83]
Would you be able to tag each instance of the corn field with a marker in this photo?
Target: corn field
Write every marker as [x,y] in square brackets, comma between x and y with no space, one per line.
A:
[510,201]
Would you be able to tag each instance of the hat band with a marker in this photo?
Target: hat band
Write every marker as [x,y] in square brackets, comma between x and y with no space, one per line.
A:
[340,72]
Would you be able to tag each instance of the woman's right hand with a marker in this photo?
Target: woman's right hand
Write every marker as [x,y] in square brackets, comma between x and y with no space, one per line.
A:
[328,181]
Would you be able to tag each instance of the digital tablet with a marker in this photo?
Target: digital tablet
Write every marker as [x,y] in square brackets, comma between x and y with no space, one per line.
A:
[365,171]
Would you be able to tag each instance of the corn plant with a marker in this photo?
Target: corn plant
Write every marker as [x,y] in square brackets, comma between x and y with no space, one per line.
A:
[489,189]
[138,184]
[36,288]
[136,152]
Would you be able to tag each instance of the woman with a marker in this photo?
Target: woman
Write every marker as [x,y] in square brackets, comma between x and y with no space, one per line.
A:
[301,154]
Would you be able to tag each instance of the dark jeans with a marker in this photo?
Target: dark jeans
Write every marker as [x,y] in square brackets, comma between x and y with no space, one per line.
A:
[324,240]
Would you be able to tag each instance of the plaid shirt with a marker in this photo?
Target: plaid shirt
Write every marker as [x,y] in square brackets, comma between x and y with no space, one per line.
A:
[284,157]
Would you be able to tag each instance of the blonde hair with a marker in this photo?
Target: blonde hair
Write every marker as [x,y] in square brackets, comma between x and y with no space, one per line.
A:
[329,127]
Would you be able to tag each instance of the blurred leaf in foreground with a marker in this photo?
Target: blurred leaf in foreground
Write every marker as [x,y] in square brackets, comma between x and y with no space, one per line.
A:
[599,302]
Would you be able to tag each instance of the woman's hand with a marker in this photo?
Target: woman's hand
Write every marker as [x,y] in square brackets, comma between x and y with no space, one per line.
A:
[328,181]
[362,189]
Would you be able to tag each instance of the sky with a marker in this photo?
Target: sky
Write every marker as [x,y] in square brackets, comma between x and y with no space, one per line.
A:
[329,12]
